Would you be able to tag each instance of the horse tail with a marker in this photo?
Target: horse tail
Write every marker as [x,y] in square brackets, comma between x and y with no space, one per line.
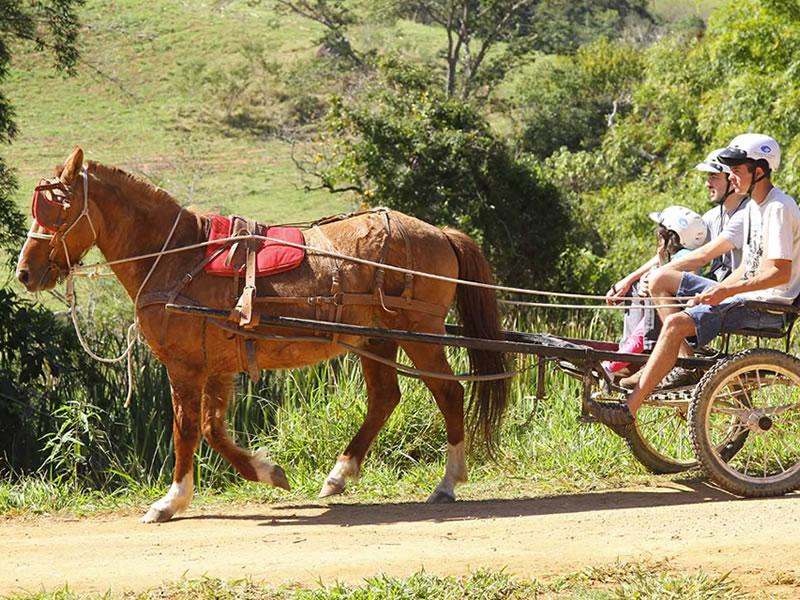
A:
[477,307]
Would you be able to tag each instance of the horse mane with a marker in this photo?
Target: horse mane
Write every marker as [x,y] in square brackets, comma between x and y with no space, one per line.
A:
[148,195]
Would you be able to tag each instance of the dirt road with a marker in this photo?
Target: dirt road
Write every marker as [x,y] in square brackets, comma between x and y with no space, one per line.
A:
[695,528]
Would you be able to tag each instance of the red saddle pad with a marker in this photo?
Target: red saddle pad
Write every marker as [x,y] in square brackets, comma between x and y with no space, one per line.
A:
[273,256]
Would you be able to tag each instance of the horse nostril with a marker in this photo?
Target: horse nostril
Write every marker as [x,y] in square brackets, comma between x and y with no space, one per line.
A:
[22,275]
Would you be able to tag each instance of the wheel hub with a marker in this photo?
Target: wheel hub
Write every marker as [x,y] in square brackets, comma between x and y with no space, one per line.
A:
[758,422]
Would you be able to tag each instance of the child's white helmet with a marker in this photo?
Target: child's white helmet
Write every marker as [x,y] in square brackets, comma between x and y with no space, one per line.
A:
[689,226]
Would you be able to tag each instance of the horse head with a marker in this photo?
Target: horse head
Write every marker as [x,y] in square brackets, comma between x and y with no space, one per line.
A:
[62,230]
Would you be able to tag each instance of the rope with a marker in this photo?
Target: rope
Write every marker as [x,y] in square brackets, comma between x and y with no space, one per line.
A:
[371,263]
[592,306]
[133,329]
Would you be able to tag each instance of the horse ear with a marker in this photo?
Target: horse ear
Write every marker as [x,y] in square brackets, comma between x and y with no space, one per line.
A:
[72,166]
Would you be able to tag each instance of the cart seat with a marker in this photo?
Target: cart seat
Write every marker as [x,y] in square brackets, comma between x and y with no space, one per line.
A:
[790,311]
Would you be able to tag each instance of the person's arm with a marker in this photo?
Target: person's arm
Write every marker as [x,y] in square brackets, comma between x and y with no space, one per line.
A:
[776,272]
[702,255]
[620,289]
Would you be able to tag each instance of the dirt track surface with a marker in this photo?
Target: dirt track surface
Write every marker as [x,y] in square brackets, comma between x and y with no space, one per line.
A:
[694,528]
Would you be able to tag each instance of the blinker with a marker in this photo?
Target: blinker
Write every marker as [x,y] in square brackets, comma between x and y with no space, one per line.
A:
[47,207]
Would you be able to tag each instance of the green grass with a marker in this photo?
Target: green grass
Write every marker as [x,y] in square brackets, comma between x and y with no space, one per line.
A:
[672,10]
[151,112]
[617,581]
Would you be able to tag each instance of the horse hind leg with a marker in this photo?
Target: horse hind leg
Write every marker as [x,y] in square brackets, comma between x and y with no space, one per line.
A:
[186,433]
[253,466]
[449,396]
[383,395]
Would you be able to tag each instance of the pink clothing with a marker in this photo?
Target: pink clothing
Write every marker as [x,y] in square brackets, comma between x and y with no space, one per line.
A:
[633,344]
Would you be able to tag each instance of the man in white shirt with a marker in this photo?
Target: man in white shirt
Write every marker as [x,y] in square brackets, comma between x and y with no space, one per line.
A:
[770,271]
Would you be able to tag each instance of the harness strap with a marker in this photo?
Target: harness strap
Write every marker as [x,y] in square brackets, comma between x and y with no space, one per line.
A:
[243,311]
[408,284]
[336,288]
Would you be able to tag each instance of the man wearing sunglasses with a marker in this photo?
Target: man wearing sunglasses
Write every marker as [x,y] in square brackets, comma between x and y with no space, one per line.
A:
[770,271]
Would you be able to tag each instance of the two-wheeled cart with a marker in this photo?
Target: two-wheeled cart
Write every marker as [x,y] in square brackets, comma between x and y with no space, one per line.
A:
[740,423]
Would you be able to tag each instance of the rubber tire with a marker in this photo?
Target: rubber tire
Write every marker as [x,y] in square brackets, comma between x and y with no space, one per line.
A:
[662,464]
[651,458]
[715,465]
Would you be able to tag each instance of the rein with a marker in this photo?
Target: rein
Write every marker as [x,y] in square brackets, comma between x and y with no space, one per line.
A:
[322,252]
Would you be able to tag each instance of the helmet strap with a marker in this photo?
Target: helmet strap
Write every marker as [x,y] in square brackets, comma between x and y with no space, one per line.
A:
[728,192]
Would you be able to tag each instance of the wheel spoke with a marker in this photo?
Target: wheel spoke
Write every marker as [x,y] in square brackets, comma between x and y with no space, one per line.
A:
[768,444]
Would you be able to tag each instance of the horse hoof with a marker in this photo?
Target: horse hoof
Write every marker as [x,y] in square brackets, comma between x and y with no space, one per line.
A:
[440,497]
[331,488]
[279,478]
[155,515]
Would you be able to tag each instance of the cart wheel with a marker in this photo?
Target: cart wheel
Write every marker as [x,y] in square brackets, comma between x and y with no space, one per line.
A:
[753,399]
[660,439]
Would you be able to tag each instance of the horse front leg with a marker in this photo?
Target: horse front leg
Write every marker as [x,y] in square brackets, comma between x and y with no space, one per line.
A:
[253,466]
[383,395]
[449,396]
[186,391]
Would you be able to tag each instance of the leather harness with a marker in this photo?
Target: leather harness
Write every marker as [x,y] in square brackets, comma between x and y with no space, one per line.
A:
[247,319]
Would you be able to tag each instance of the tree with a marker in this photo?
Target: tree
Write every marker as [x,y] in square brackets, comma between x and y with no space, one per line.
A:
[484,38]
[571,101]
[695,93]
[403,143]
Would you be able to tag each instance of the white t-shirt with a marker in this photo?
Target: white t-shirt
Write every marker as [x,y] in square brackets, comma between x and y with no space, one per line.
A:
[772,230]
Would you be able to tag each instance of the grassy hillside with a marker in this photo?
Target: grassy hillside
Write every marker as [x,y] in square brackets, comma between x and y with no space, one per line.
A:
[140,102]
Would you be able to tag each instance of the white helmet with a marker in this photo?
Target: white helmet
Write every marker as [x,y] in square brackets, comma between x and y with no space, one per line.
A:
[689,226]
[752,147]
[712,164]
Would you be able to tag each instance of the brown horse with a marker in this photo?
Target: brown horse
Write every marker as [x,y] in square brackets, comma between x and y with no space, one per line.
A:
[125,216]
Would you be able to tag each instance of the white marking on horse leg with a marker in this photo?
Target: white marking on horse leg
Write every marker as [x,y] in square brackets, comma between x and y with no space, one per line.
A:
[177,500]
[454,473]
[267,471]
[346,467]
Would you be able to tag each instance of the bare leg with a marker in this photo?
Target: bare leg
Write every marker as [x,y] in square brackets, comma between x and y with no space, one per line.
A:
[665,282]
[383,395]
[449,397]
[186,434]
[677,328]
[252,466]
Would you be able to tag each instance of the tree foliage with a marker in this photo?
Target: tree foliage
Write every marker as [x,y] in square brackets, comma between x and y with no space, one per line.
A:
[554,107]
[483,39]
[402,143]
[694,93]
[33,345]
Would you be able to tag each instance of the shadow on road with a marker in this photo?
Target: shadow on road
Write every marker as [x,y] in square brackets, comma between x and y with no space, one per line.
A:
[686,493]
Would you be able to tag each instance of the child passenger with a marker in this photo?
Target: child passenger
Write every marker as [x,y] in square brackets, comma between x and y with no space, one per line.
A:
[680,230]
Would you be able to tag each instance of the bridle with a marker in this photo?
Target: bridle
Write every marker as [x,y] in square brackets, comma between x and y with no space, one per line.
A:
[51,216]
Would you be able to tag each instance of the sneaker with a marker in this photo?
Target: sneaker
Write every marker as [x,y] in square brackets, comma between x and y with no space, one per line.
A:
[616,415]
[631,381]
[680,377]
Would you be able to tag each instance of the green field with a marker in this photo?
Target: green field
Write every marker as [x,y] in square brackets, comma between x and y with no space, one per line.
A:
[141,101]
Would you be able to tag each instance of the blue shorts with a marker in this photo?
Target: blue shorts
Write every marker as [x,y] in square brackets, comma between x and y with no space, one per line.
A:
[708,319]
